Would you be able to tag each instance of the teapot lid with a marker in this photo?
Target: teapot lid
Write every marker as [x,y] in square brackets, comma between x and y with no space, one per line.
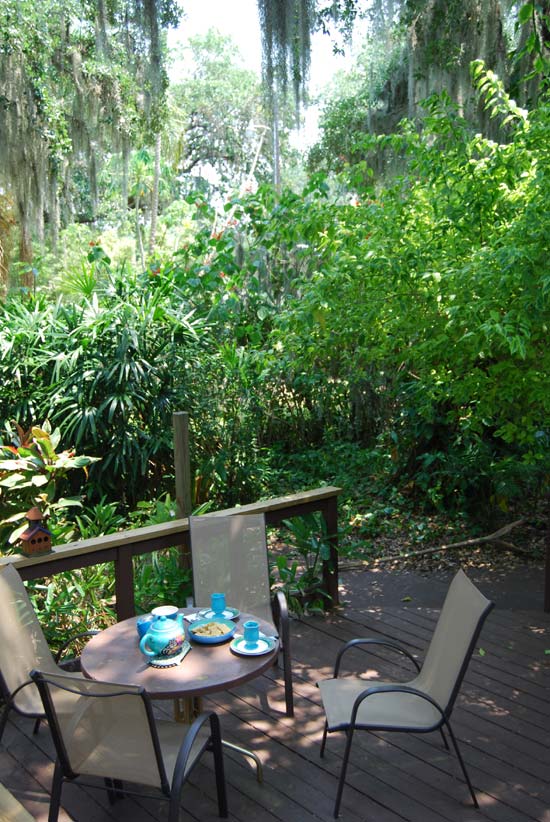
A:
[166,625]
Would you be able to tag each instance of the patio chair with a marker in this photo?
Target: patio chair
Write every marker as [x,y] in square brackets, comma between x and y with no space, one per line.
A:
[229,554]
[423,704]
[23,647]
[108,731]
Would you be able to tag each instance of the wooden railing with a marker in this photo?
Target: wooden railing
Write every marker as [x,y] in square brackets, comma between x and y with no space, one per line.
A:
[123,545]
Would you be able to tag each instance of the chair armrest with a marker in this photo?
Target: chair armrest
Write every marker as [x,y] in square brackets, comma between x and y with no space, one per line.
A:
[188,742]
[69,642]
[395,689]
[385,642]
[10,698]
[279,608]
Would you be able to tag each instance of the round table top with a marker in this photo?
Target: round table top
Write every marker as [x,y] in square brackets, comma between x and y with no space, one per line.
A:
[114,656]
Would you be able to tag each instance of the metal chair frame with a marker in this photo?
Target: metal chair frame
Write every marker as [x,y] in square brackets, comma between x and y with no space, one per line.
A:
[63,771]
[279,608]
[444,711]
[9,697]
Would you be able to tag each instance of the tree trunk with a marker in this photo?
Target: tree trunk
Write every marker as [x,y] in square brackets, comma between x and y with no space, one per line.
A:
[139,238]
[125,174]
[25,249]
[155,196]
[276,144]
[53,209]
[527,92]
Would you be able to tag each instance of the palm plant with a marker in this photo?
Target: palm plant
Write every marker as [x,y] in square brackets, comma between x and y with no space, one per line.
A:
[117,374]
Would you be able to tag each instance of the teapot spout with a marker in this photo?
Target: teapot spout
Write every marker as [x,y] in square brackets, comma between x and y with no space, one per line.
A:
[179,619]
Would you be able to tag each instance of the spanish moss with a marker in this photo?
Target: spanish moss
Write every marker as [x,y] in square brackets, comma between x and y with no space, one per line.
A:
[286,45]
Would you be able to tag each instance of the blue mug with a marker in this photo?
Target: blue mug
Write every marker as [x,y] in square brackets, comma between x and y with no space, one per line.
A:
[143,624]
[251,632]
[217,604]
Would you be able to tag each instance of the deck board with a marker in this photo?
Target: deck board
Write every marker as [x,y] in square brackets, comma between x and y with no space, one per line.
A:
[502,720]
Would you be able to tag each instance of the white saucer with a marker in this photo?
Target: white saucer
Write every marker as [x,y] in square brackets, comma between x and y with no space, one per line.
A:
[264,645]
[229,613]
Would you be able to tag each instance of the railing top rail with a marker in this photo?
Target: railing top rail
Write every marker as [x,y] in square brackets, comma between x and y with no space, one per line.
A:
[168,529]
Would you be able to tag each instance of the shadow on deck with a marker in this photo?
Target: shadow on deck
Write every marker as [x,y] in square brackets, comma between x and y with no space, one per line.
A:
[502,719]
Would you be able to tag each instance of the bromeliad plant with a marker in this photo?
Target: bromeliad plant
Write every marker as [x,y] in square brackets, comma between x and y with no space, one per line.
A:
[31,473]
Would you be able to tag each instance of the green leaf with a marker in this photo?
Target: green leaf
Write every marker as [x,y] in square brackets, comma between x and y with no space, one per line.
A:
[526,13]
[481,652]
[406,599]
[14,536]
[68,502]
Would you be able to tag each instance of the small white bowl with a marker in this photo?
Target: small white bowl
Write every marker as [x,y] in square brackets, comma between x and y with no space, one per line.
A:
[170,611]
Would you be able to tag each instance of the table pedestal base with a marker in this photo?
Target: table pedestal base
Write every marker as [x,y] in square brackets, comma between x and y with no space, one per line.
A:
[250,754]
[186,709]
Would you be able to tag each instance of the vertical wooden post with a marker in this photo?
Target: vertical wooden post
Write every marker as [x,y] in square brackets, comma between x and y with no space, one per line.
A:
[124,583]
[182,468]
[547,572]
[329,513]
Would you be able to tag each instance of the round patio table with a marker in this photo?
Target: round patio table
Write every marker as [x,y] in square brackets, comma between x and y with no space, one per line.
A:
[113,655]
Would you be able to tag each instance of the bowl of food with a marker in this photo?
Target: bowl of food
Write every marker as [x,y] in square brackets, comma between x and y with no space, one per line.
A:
[212,631]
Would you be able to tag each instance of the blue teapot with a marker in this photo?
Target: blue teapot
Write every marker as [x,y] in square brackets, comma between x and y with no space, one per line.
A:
[164,638]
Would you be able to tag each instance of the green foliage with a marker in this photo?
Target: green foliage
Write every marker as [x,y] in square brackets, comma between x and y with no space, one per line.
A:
[99,519]
[433,306]
[109,368]
[31,473]
[411,320]
[298,571]
[160,580]
[74,601]
[92,76]
[212,107]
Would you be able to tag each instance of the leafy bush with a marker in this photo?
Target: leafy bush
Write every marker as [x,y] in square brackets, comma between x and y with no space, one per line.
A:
[31,473]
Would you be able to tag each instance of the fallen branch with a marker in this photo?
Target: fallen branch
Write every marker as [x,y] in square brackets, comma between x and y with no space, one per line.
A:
[494,537]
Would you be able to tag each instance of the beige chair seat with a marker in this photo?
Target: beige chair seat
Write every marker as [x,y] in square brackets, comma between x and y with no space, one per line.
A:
[378,711]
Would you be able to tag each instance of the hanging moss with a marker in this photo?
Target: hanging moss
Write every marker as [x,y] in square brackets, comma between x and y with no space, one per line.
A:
[286,44]
[78,79]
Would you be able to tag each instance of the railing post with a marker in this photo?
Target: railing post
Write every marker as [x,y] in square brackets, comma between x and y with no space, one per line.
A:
[124,583]
[547,571]
[182,469]
[329,512]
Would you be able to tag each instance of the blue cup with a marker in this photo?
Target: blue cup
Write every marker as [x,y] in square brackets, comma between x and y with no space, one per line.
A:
[251,632]
[144,623]
[217,604]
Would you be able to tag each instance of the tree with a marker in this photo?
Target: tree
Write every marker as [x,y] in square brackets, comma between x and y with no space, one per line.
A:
[401,65]
[215,110]
[78,80]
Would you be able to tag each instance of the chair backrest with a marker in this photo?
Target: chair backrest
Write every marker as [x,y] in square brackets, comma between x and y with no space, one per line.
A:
[23,645]
[102,729]
[229,554]
[458,627]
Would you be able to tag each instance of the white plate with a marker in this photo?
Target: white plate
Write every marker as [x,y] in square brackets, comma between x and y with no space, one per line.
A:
[229,613]
[264,645]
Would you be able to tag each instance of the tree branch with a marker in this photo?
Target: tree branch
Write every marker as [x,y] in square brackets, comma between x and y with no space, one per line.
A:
[494,537]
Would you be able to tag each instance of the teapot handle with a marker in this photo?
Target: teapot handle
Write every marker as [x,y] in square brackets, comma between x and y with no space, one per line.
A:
[144,649]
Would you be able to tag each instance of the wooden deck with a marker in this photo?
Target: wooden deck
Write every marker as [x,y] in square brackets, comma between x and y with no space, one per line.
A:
[502,720]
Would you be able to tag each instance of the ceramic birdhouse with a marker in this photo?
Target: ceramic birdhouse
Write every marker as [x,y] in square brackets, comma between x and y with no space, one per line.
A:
[36,539]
